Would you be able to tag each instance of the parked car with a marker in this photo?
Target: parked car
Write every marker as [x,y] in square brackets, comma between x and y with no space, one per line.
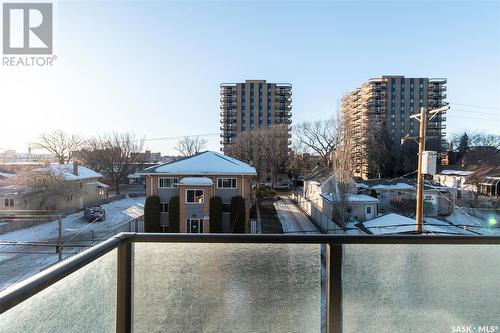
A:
[283,186]
[94,214]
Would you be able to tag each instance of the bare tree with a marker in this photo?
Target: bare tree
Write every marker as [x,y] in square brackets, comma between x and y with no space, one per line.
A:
[474,139]
[378,149]
[266,149]
[275,150]
[299,163]
[59,143]
[189,146]
[317,136]
[45,188]
[113,155]
[343,168]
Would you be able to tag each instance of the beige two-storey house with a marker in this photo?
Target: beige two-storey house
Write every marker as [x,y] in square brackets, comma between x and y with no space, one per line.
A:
[195,180]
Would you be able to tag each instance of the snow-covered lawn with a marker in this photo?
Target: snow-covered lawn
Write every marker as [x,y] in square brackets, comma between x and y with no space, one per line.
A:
[16,266]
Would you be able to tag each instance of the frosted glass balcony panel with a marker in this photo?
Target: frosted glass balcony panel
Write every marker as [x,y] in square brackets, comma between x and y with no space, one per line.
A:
[84,301]
[420,288]
[227,287]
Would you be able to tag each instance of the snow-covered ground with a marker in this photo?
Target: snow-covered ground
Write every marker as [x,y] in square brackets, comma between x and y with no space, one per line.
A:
[293,219]
[17,262]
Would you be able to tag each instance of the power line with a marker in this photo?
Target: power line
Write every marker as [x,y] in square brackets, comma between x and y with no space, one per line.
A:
[473,111]
[454,205]
[181,137]
[477,106]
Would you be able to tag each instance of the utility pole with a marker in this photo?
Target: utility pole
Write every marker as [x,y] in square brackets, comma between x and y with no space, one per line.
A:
[422,117]
[59,238]
[420,181]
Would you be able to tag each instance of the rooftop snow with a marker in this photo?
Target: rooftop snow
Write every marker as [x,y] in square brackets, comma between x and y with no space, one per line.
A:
[398,186]
[206,163]
[67,171]
[457,172]
[201,181]
[352,198]
[398,224]
[6,175]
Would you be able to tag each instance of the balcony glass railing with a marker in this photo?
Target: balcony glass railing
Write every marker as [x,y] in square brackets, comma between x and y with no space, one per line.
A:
[263,283]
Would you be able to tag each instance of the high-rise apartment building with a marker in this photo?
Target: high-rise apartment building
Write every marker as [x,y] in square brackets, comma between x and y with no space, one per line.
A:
[389,102]
[251,105]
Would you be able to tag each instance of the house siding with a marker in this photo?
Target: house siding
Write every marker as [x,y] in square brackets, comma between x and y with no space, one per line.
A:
[243,188]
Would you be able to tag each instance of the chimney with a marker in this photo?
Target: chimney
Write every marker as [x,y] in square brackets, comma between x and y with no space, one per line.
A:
[75,168]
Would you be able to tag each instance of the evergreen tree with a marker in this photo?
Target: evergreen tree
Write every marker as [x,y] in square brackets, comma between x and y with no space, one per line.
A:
[238,214]
[173,215]
[152,208]
[216,214]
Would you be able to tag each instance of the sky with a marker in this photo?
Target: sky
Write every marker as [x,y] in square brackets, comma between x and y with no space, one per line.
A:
[154,68]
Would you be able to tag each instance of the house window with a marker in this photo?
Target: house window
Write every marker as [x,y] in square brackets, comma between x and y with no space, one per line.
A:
[164,207]
[428,197]
[167,182]
[401,193]
[226,183]
[349,210]
[9,202]
[194,196]
[70,197]
[368,209]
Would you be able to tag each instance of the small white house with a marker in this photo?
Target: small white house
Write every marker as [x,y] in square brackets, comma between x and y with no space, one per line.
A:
[360,207]
[325,195]
[457,180]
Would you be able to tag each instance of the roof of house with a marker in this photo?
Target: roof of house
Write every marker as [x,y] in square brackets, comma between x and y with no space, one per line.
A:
[352,198]
[387,184]
[200,181]
[6,175]
[66,170]
[456,172]
[205,163]
[398,224]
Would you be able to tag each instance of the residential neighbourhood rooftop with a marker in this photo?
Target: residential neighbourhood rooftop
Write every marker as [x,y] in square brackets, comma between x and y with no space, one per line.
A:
[66,170]
[398,224]
[352,198]
[205,163]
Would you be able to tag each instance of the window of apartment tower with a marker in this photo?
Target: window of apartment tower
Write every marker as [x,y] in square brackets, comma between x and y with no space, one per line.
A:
[194,196]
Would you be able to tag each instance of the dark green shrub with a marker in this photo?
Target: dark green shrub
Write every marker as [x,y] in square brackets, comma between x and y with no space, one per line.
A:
[173,215]
[238,214]
[373,193]
[216,214]
[152,209]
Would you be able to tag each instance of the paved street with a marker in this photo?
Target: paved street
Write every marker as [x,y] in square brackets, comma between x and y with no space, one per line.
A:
[20,261]
[293,219]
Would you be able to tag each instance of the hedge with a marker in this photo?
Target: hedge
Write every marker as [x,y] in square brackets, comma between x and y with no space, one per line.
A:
[152,208]
[216,214]
[173,215]
[238,214]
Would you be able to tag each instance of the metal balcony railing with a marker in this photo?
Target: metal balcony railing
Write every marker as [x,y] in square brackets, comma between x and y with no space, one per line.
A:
[266,283]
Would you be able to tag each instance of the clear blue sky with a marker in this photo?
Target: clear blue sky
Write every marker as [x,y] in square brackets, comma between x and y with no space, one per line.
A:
[154,68]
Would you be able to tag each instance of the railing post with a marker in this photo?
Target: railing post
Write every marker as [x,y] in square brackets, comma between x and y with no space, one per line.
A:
[335,289]
[124,289]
